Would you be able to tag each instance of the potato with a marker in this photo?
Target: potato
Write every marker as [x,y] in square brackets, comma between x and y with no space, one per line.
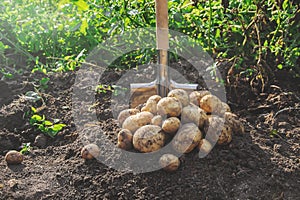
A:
[171,125]
[219,131]
[134,122]
[211,104]
[90,151]
[181,95]
[233,121]
[226,135]
[169,162]
[193,113]
[187,138]
[124,139]
[125,114]
[196,96]
[205,146]
[151,104]
[148,138]
[14,157]
[157,120]
[169,106]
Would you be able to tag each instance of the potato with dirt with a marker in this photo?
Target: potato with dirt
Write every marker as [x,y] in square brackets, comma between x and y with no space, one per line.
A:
[134,122]
[169,162]
[14,157]
[196,96]
[217,131]
[157,120]
[181,95]
[148,138]
[194,114]
[212,104]
[226,107]
[205,146]
[171,125]
[169,106]
[125,114]
[233,121]
[90,151]
[151,104]
[124,139]
[187,138]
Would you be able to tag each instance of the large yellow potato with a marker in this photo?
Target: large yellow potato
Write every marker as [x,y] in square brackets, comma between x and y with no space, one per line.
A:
[211,104]
[181,95]
[124,139]
[151,104]
[171,125]
[193,113]
[14,157]
[187,138]
[148,138]
[125,114]
[169,162]
[233,121]
[169,106]
[196,96]
[134,122]
[90,151]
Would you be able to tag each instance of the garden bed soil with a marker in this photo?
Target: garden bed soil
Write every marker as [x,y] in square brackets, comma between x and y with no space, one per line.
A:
[262,163]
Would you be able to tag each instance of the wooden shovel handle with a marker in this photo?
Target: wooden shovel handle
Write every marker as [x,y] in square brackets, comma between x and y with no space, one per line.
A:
[162,32]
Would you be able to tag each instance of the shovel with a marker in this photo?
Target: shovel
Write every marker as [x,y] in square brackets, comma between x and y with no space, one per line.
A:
[140,92]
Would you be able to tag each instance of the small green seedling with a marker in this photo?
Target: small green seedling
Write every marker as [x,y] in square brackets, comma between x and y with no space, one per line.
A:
[45,126]
[25,148]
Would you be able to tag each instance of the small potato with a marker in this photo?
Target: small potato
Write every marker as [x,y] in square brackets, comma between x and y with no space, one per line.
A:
[205,146]
[233,121]
[169,162]
[124,139]
[181,95]
[171,125]
[148,138]
[125,114]
[226,135]
[187,138]
[196,96]
[169,106]
[193,113]
[157,120]
[14,157]
[132,123]
[211,104]
[90,151]
[151,104]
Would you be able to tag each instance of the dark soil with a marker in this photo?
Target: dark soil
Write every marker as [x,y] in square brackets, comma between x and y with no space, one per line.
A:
[262,163]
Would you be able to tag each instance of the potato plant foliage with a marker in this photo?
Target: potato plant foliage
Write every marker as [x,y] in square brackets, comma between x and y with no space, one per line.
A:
[257,36]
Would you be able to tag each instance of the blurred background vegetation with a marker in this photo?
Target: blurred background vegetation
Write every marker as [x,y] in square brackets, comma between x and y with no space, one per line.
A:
[257,37]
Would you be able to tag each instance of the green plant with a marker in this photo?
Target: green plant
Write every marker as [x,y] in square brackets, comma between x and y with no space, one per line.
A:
[45,126]
[25,148]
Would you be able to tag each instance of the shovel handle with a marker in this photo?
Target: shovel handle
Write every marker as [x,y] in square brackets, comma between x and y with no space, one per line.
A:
[162,32]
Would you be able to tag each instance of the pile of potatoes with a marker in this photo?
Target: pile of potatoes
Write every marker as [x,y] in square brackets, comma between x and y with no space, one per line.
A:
[180,118]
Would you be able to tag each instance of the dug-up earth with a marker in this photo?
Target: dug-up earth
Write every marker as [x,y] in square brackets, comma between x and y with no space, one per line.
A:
[262,163]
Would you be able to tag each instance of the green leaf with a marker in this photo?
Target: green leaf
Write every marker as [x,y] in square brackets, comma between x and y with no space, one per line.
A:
[285,4]
[82,5]
[279,66]
[58,127]
[36,118]
[48,123]
[83,27]
[33,109]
